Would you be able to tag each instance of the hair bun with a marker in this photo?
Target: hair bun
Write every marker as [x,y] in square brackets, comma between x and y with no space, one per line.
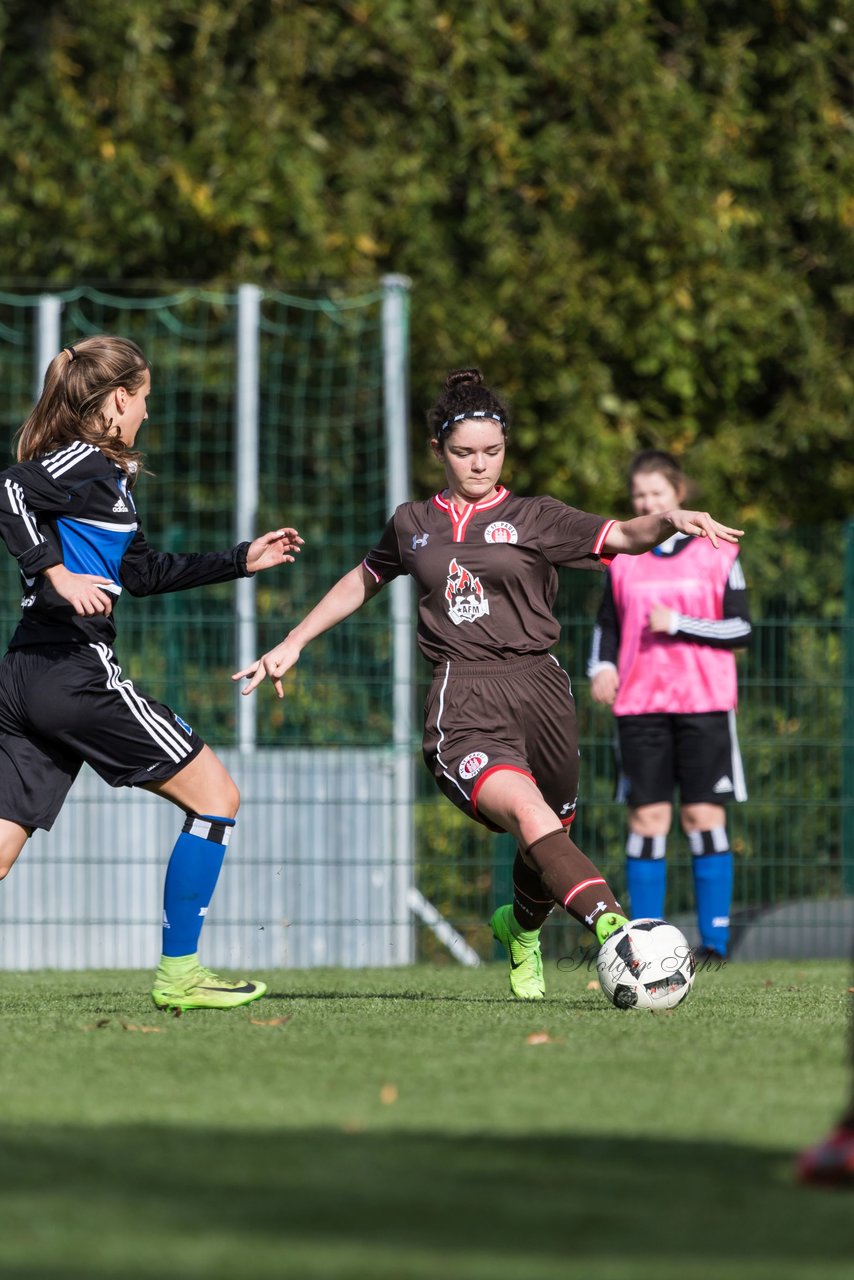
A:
[463,377]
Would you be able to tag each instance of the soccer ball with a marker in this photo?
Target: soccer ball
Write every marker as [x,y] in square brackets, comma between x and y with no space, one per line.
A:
[646,964]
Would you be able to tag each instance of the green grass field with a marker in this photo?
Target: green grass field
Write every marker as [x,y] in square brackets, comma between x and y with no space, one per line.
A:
[402,1123]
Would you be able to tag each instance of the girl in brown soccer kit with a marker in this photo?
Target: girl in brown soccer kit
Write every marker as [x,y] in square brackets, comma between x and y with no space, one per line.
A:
[500,734]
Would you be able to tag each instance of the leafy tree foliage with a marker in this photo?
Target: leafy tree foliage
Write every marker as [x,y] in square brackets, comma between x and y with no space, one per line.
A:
[635,216]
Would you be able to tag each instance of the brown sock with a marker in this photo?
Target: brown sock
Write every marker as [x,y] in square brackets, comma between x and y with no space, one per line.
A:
[571,878]
[532,902]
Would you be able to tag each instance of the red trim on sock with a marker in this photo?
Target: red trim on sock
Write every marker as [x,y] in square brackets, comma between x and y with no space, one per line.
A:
[582,884]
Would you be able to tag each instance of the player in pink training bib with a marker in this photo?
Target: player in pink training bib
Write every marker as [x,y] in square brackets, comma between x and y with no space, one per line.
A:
[663,657]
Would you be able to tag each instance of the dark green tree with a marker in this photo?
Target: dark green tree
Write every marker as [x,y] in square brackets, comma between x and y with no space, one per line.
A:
[635,217]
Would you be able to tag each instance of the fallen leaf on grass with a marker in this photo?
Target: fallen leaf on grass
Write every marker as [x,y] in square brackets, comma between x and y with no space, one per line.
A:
[593,985]
[388,1094]
[125,1026]
[271,1022]
[543,1037]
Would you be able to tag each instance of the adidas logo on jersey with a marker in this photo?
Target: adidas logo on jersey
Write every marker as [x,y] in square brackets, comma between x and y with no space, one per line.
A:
[722,784]
[120,505]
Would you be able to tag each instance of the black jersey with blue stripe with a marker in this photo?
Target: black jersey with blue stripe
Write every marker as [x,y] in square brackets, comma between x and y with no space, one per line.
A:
[74,506]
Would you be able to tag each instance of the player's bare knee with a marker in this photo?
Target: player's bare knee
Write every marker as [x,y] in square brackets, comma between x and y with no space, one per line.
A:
[223,802]
[702,817]
[650,820]
[229,802]
[219,793]
[529,820]
[528,812]
[11,845]
[7,863]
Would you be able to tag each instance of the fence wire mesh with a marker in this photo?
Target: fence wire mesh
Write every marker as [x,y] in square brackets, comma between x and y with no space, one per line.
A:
[322,469]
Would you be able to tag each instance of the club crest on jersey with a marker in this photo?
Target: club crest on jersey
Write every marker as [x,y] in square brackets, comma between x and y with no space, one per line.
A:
[473,763]
[464,594]
[500,531]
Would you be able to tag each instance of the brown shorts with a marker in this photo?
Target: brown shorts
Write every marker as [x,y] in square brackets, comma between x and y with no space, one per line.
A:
[518,715]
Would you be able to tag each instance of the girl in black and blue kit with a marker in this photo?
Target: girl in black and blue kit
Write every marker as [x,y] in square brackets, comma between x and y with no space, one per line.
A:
[67,514]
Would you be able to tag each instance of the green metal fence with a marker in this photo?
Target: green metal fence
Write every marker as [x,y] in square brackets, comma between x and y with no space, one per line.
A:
[324,468]
[793,838]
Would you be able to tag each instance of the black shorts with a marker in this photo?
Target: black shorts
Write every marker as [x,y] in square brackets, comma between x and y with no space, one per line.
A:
[63,706]
[518,715]
[698,754]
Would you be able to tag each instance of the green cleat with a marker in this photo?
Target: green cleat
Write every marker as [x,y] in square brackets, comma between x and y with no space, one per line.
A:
[526,959]
[608,924]
[178,986]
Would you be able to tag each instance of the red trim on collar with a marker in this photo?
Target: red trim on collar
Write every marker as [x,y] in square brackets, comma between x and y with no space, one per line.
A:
[461,517]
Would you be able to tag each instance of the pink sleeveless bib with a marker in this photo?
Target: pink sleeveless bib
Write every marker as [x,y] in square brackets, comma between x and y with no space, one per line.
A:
[662,673]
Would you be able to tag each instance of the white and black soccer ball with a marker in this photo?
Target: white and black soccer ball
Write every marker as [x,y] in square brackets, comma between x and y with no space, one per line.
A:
[646,964]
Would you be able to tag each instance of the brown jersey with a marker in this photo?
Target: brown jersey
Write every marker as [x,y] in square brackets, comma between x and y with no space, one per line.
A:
[486,572]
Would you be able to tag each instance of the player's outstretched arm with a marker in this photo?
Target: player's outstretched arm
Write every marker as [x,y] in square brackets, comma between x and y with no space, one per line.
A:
[348,595]
[272,549]
[645,532]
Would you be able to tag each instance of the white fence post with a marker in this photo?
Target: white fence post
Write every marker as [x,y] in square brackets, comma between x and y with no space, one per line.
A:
[247,461]
[395,329]
[47,336]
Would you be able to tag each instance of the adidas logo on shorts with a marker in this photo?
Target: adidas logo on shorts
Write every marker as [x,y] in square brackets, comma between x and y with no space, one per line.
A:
[120,506]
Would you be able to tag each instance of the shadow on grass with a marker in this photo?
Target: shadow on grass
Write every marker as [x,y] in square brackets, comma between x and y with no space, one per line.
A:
[293,997]
[84,1202]
[421,997]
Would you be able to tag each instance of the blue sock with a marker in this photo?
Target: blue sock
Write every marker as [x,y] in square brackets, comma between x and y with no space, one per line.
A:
[646,875]
[646,881]
[713,875]
[191,878]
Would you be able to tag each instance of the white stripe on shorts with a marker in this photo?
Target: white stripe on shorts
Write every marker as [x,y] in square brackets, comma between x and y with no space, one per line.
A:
[449,776]
[167,736]
[739,782]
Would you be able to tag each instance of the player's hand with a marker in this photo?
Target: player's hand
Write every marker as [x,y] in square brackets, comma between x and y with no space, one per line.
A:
[85,592]
[660,618]
[272,549]
[701,525]
[604,686]
[272,665]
